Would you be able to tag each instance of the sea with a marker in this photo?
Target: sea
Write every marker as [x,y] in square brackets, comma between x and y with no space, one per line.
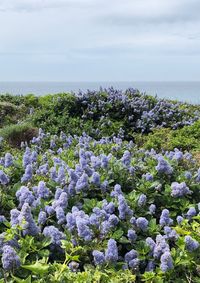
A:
[182,91]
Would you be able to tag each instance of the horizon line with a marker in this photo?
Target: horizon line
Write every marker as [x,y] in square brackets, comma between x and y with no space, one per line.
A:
[102,81]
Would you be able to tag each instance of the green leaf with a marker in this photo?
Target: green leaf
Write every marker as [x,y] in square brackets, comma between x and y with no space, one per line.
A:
[66,245]
[142,248]
[147,276]
[89,204]
[46,242]
[19,280]
[153,227]
[117,234]
[44,253]
[154,184]
[181,231]
[124,240]
[37,268]
[72,257]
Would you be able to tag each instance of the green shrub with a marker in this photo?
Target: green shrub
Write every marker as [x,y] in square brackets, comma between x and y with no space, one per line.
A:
[15,134]
[15,99]
[10,113]
[30,100]
[158,140]
[186,138]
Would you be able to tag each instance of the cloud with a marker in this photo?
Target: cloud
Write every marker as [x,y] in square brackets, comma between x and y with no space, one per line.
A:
[37,5]
[143,12]
[75,35]
[116,10]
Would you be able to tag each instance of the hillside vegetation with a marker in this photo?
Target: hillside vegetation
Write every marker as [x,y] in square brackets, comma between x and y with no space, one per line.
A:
[99,187]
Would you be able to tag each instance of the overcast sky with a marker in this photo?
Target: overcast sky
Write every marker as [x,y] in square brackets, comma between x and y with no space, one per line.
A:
[99,40]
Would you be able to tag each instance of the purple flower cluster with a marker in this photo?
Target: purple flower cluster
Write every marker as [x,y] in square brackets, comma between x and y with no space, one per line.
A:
[4,179]
[41,190]
[126,158]
[148,177]
[117,191]
[131,258]
[83,228]
[10,259]
[95,179]
[142,200]
[82,183]
[27,158]
[28,174]
[191,244]
[152,208]
[124,209]
[158,247]
[179,219]
[78,220]
[111,253]
[24,195]
[179,190]
[14,214]
[163,166]
[165,220]
[142,223]
[26,221]
[166,262]
[191,212]
[2,219]
[161,246]
[42,217]
[8,160]
[99,257]
[54,234]
[170,233]
[132,236]
[73,266]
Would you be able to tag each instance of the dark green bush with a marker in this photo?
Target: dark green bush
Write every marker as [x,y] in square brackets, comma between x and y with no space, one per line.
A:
[15,134]
[15,99]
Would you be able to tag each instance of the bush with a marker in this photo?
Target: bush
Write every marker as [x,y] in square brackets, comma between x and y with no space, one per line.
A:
[79,208]
[14,99]
[99,192]
[15,134]
[10,113]
[186,138]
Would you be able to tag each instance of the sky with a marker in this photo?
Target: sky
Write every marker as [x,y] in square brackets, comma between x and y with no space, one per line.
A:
[99,40]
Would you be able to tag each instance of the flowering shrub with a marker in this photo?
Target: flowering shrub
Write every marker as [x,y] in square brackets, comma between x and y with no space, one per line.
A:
[78,209]
[108,111]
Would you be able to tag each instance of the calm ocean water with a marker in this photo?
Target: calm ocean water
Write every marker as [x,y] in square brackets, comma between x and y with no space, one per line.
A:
[183,91]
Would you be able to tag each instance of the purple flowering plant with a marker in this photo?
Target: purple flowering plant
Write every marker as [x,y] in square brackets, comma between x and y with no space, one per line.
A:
[99,207]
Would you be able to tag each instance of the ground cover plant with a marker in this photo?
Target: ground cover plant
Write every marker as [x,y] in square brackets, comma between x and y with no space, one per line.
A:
[89,199]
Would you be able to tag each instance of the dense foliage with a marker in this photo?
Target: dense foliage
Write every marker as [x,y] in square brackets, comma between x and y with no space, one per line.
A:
[97,203]
[102,113]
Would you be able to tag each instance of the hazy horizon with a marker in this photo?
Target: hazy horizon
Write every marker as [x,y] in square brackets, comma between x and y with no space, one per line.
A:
[100,81]
[185,91]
